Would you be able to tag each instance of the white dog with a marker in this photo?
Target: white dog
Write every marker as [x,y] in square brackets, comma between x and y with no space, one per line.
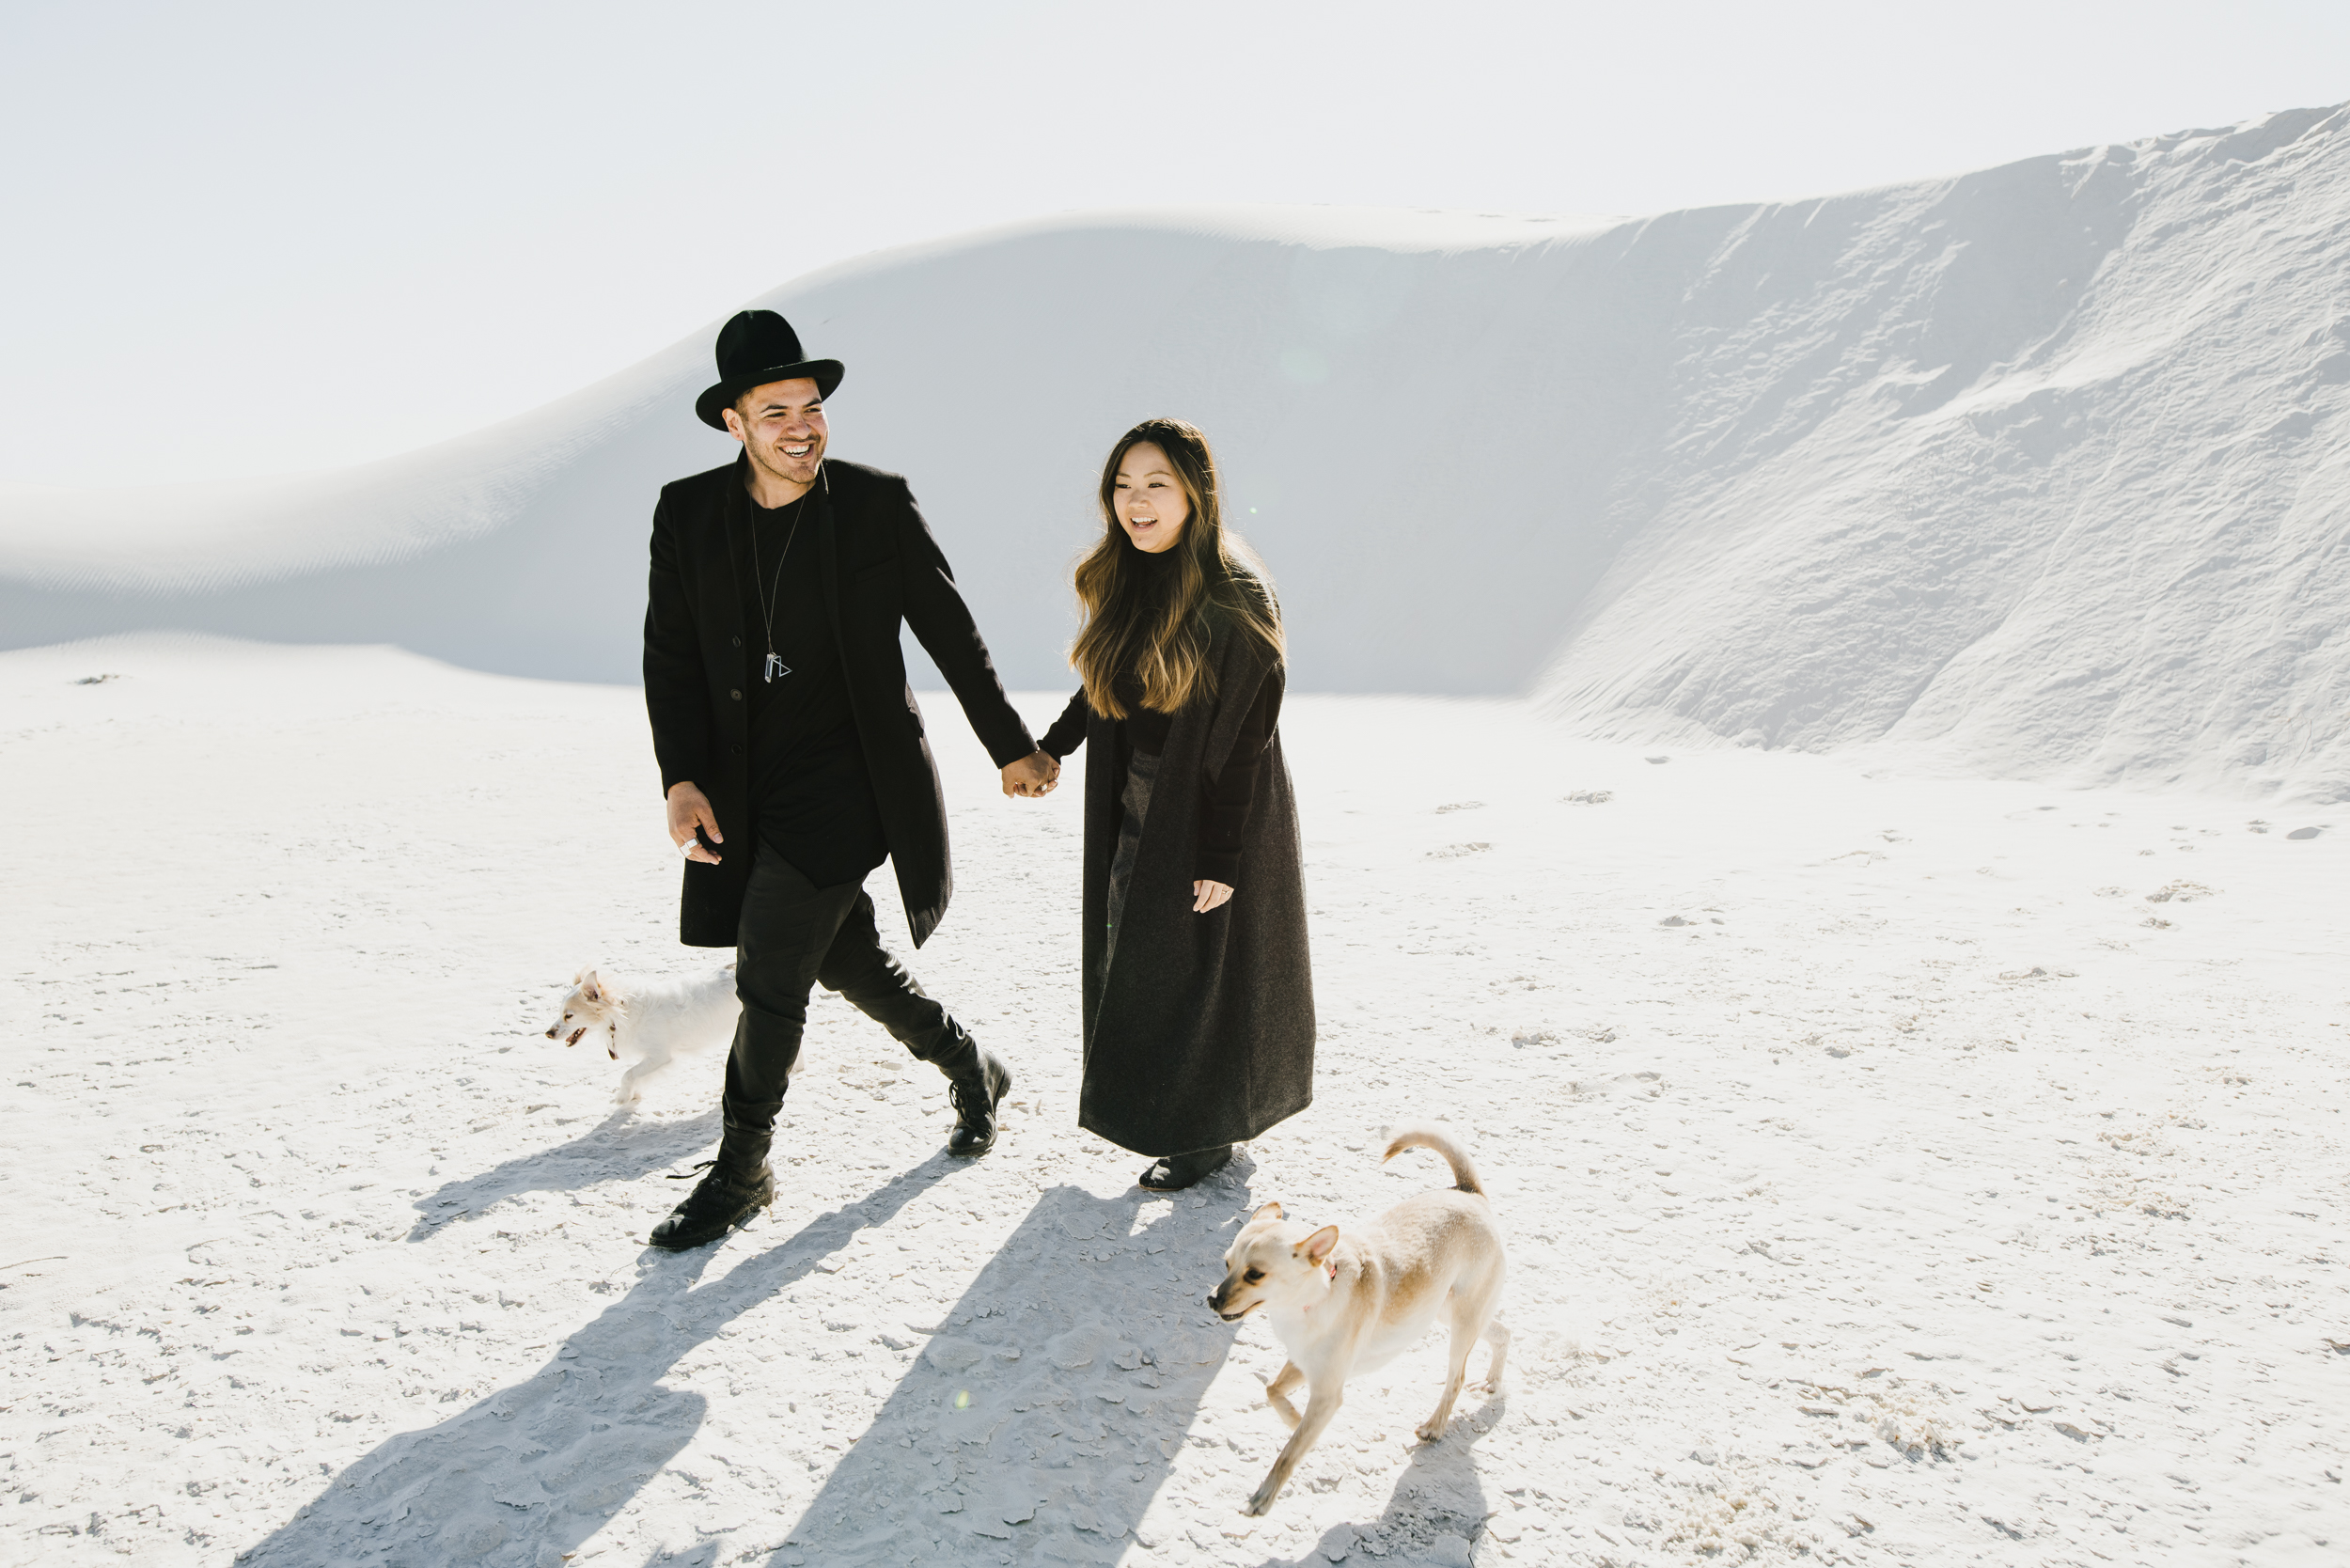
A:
[1342,1303]
[649,1024]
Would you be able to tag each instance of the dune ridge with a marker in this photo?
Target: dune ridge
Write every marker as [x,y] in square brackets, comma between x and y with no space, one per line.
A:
[2035,471]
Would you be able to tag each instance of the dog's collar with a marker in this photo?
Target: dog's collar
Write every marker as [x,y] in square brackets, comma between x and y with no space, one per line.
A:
[1330,1267]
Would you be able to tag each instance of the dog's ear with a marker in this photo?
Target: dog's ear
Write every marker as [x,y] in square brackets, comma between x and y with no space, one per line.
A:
[1316,1247]
[1271,1211]
[589,986]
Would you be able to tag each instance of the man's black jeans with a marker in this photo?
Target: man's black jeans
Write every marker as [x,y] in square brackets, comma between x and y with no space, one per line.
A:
[795,935]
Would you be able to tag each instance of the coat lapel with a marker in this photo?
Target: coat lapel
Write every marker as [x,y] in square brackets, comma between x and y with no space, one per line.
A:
[828,556]
[736,515]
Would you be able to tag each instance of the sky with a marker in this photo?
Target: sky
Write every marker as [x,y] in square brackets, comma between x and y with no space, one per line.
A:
[248,238]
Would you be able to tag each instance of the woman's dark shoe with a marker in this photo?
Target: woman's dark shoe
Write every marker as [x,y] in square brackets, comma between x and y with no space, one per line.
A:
[719,1202]
[976,1082]
[1178,1172]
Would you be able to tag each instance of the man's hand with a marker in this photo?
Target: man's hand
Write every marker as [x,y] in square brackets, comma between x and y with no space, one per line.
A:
[689,808]
[1209,895]
[1032,777]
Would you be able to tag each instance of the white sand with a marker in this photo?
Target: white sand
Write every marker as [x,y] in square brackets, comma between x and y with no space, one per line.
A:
[1922,1196]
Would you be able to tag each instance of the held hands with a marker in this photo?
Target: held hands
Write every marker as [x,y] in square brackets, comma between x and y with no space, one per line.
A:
[1033,777]
[689,808]
[1209,895]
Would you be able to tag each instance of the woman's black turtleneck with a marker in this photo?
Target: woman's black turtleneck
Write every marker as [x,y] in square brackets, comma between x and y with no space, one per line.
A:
[1224,801]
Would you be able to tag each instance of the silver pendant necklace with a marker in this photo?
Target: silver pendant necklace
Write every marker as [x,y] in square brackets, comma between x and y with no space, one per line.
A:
[768,601]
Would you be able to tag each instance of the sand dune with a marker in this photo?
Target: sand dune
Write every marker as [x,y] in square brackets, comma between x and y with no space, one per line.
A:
[2033,471]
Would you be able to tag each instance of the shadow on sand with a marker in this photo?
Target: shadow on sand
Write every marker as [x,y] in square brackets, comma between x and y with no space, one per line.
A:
[528,1473]
[1035,1423]
[1039,1421]
[621,1147]
[1439,1494]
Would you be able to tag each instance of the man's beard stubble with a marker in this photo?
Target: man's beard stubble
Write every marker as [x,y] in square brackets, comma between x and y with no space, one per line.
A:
[779,466]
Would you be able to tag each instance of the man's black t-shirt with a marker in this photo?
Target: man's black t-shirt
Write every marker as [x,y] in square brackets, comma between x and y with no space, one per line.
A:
[810,793]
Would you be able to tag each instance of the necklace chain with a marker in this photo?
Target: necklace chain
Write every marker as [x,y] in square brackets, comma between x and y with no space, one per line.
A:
[767,600]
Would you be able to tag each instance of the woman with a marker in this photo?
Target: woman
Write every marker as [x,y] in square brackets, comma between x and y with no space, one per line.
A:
[1198,1006]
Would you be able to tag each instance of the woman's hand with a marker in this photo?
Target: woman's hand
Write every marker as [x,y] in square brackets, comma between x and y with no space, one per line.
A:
[1209,895]
[689,808]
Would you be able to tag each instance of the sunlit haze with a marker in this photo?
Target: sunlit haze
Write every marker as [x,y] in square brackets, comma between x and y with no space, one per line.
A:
[272,237]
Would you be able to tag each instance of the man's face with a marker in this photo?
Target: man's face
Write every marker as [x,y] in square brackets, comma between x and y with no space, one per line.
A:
[781,425]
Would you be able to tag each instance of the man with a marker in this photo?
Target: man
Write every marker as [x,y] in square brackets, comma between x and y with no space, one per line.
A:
[792,750]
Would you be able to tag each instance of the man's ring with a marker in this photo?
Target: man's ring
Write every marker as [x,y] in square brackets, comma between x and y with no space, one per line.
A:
[686,849]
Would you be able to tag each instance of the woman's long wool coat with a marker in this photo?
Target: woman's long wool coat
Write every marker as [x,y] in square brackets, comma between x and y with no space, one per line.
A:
[1201,1032]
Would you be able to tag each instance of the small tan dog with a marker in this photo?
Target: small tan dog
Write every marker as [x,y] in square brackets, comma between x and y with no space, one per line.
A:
[1345,1303]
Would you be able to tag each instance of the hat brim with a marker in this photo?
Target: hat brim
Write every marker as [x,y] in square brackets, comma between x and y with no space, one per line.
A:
[712,405]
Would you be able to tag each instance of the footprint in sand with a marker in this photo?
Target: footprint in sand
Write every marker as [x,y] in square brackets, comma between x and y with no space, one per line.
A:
[1651,1085]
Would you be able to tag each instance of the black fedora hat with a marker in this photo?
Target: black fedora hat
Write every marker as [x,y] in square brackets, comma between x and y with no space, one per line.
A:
[755,348]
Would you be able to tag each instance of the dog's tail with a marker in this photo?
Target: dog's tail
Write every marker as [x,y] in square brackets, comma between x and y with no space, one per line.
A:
[1427,1135]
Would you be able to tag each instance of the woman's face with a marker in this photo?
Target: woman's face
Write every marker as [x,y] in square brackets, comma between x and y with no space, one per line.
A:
[1150,499]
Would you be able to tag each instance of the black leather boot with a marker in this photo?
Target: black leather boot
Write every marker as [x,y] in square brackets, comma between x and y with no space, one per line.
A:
[976,1082]
[739,1186]
[1177,1172]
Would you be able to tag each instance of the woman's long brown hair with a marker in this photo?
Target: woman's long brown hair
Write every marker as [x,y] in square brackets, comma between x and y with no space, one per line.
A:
[1159,624]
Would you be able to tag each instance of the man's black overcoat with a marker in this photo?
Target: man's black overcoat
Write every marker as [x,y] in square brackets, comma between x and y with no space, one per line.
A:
[1201,1032]
[880,566]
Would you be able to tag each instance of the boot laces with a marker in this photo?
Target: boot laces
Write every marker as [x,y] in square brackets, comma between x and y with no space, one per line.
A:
[971,1096]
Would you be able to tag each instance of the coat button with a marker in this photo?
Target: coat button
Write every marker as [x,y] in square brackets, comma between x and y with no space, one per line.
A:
[736,694]
[738,642]
[738,751]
